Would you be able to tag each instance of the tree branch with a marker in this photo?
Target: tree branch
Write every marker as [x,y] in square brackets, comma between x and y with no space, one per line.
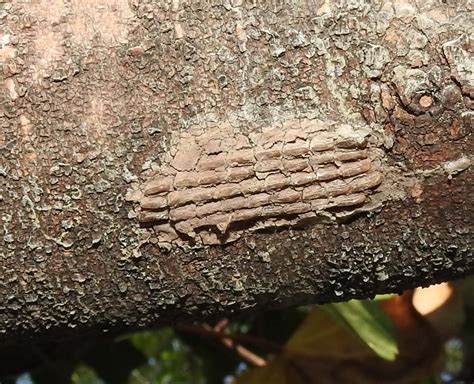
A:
[374,100]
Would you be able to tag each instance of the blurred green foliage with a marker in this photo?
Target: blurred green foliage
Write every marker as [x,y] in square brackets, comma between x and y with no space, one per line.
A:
[166,356]
[366,320]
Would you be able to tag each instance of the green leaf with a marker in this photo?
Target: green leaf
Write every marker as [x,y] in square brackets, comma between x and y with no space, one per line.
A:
[367,320]
[153,343]
[384,297]
[84,375]
[169,359]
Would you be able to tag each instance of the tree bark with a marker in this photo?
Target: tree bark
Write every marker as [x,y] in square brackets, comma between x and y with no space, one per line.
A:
[97,98]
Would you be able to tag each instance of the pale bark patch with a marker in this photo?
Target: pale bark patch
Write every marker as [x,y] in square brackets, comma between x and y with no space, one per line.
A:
[87,21]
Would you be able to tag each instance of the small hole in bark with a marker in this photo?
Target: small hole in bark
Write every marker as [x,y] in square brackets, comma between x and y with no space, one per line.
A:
[426,101]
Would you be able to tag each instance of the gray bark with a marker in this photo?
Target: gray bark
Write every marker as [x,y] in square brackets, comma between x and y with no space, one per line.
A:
[95,96]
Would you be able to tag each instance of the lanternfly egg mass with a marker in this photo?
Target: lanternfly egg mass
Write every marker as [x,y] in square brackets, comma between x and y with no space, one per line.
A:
[218,185]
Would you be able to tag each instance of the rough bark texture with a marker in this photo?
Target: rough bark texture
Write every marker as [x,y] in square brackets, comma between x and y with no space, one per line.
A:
[95,92]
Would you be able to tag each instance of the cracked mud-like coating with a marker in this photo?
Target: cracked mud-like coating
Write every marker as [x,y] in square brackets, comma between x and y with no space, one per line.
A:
[218,184]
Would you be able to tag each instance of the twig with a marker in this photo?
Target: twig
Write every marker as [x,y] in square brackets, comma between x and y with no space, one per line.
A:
[233,341]
[243,352]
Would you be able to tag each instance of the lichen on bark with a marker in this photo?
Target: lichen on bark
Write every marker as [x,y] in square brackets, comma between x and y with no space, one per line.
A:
[93,92]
